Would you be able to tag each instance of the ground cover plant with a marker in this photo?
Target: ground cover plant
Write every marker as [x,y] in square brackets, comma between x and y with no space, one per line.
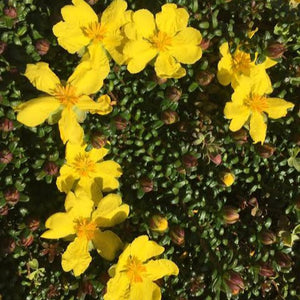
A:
[149,149]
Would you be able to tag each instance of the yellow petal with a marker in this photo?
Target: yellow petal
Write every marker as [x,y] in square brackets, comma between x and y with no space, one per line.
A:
[73,150]
[76,257]
[146,290]
[88,76]
[238,113]
[242,91]
[59,225]
[171,19]
[167,67]
[92,188]
[79,14]
[224,49]
[117,288]
[268,63]
[34,112]
[101,107]
[224,74]
[110,211]
[277,107]
[114,16]
[106,174]
[70,37]
[107,244]
[142,25]
[66,179]
[258,127]
[260,80]
[69,128]
[157,269]
[138,53]
[186,46]
[41,77]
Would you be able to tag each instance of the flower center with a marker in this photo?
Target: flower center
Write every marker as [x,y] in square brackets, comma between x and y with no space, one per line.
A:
[161,41]
[256,102]
[66,95]
[134,269]
[83,165]
[241,62]
[95,31]
[85,228]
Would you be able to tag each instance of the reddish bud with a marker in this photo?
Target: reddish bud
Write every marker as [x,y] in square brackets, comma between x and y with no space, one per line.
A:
[266,270]
[51,168]
[33,224]
[146,184]
[216,159]
[283,260]
[26,241]
[3,46]
[177,235]
[6,125]
[42,46]
[12,196]
[159,80]
[189,161]
[51,250]
[276,50]
[5,157]
[9,245]
[169,117]
[173,94]
[265,150]
[235,282]
[92,2]
[98,140]
[240,136]
[10,12]
[205,44]
[4,210]
[120,123]
[204,78]
[268,237]
[230,215]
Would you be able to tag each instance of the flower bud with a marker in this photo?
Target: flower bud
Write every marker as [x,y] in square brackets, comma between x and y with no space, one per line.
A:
[230,214]
[189,161]
[5,157]
[51,168]
[204,78]
[92,2]
[42,46]
[266,270]
[177,235]
[3,46]
[169,117]
[6,125]
[205,44]
[159,80]
[120,123]
[268,237]
[173,94]
[12,196]
[26,241]
[227,178]
[146,184]
[4,210]
[240,136]
[98,140]
[158,223]
[265,150]
[216,159]
[276,50]
[235,282]
[283,260]
[33,224]
[10,12]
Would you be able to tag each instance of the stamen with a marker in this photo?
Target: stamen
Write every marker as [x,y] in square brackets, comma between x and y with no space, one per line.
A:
[83,165]
[66,95]
[161,41]
[85,228]
[95,31]
[256,102]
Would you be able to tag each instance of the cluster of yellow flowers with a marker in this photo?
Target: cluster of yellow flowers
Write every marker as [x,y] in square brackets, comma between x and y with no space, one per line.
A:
[251,85]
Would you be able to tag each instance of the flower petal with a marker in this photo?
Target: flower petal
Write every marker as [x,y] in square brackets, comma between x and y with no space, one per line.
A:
[238,113]
[258,127]
[107,244]
[91,187]
[41,77]
[186,46]
[60,225]
[277,107]
[224,74]
[101,107]
[171,19]
[167,67]
[107,172]
[73,150]
[146,290]
[76,257]
[69,128]
[157,269]
[113,17]
[34,112]
[138,53]
[88,76]
[66,179]
[118,287]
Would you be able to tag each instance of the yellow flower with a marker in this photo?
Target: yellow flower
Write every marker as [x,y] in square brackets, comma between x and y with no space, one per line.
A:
[82,27]
[158,223]
[67,102]
[294,3]
[228,179]
[232,66]
[81,223]
[88,170]
[167,39]
[250,100]
[135,273]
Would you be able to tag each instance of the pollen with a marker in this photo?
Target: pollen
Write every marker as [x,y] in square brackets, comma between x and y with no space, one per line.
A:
[134,269]
[66,95]
[161,41]
[83,165]
[241,62]
[95,31]
[256,102]
[85,228]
